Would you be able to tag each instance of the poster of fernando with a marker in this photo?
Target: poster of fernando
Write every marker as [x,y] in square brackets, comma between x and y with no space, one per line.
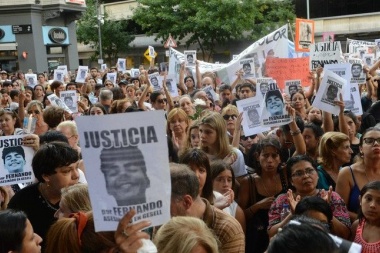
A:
[128,157]
[16,164]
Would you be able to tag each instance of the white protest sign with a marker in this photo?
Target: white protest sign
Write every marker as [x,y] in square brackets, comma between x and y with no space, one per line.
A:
[354,103]
[322,53]
[191,57]
[369,59]
[151,52]
[129,167]
[69,97]
[59,75]
[16,167]
[292,86]
[343,70]
[210,92]
[121,65]
[31,80]
[103,66]
[353,45]
[156,81]
[112,77]
[171,85]
[262,86]
[82,74]
[135,73]
[357,73]
[328,92]
[56,101]
[64,68]
[251,108]
[273,108]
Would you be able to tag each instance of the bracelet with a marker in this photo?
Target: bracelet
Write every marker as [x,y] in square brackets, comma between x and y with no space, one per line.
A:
[293,133]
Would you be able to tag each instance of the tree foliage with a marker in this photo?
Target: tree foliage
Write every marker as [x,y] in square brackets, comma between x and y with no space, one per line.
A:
[208,23]
[114,34]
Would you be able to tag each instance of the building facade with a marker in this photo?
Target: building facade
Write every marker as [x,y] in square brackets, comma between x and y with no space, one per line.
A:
[39,35]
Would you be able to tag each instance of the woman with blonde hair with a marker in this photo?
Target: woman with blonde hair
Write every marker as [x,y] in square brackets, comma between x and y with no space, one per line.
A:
[214,141]
[77,235]
[334,151]
[70,130]
[230,114]
[119,106]
[74,198]
[177,126]
[186,235]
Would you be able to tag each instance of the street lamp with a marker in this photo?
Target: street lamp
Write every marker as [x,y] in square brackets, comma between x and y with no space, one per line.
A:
[99,17]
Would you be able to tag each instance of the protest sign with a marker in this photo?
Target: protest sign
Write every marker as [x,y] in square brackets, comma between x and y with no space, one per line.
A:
[304,34]
[354,104]
[328,36]
[328,92]
[151,52]
[210,93]
[64,68]
[251,108]
[69,97]
[288,69]
[292,86]
[121,64]
[156,81]
[31,80]
[16,167]
[273,108]
[112,77]
[103,67]
[59,75]
[353,45]
[248,67]
[262,86]
[343,70]
[369,59]
[129,167]
[325,53]
[56,101]
[190,57]
[82,74]
[357,73]
[135,73]
[171,85]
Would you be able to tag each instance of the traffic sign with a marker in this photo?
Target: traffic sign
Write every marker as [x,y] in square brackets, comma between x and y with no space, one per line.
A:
[170,42]
[146,54]
[21,29]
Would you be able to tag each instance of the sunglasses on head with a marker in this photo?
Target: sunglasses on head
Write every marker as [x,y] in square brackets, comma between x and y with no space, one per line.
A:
[162,100]
[227,116]
[244,138]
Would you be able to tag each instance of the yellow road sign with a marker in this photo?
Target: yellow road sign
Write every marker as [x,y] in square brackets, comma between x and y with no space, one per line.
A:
[146,54]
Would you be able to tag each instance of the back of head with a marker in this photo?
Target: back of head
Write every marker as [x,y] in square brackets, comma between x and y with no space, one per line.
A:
[63,236]
[12,226]
[184,181]
[314,204]
[183,234]
[76,198]
[300,238]
[53,115]
[52,135]
[105,94]
[329,142]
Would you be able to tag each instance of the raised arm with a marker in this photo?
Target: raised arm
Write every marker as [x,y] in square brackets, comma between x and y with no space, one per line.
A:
[143,94]
[295,132]
[198,76]
[181,83]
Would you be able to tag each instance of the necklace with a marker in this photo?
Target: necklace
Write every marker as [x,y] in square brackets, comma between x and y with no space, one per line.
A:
[44,200]
[265,189]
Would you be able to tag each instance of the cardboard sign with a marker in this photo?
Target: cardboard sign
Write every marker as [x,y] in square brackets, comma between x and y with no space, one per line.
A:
[304,34]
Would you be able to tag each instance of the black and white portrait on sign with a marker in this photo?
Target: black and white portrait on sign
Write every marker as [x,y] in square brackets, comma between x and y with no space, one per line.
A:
[130,164]
[156,81]
[15,167]
[81,74]
[190,58]
[69,97]
[125,174]
[31,79]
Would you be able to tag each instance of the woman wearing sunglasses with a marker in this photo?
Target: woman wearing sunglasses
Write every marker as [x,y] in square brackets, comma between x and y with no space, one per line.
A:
[230,114]
[351,179]
[35,108]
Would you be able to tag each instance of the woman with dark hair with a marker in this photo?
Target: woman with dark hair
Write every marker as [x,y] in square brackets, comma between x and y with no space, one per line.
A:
[57,87]
[258,191]
[97,109]
[312,133]
[16,233]
[55,165]
[303,177]
[45,100]
[198,162]
[223,182]
[298,101]
[351,179]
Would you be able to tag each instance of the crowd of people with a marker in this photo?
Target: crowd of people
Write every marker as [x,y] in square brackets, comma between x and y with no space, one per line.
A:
[290,189]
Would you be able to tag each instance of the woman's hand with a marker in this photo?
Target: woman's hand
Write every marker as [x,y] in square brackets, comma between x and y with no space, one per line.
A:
[340,103]
[127,236]
[265,203]
[225,200]
[31,140]
[326,195]
[291,111]
[292,201]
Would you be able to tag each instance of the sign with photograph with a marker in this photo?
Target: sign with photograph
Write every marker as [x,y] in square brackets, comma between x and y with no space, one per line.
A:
[56,101]
[81,74]
[59,75]
[304,34]
[129,164]
[69,97]
[121,64]
[156,81]
[31,80]
[190,57]
[16,167]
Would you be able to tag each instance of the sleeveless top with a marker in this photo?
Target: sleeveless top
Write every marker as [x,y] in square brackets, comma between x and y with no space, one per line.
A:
[256,229]
[373,247]
[353,201]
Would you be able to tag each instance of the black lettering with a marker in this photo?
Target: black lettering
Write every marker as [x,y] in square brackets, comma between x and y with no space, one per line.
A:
[106,141]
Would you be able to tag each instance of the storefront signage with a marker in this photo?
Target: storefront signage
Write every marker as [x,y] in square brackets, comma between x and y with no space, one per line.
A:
[2,34]
[21,29]
[57,35]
